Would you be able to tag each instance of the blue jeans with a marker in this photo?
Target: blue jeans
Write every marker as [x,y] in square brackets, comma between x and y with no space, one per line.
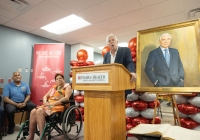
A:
[2,114]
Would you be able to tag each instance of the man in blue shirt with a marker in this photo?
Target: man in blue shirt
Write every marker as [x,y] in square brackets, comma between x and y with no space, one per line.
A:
[16,95]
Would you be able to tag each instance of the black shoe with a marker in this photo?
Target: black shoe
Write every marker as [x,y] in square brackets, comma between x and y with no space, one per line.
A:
[1,138]
[11,130]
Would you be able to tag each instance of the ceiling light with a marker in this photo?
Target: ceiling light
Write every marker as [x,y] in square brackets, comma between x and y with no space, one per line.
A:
[65,25]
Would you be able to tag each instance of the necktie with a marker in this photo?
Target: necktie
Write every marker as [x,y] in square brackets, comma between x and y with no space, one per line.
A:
[167,57]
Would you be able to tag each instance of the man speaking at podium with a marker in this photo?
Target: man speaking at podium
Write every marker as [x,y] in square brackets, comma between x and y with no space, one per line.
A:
[121,55]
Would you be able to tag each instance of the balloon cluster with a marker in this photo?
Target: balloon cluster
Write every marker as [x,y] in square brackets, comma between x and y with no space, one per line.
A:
[140,109]
[79,100]
[82,57]
[189,110]
[133,45]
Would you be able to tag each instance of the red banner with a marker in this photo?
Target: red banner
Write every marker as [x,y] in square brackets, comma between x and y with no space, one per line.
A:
[48,60]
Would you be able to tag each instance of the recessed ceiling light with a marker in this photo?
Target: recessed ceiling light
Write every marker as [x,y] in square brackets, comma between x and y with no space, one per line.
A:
[65,25]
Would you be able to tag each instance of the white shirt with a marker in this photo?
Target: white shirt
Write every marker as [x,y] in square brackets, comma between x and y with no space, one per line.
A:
[163,50]
[112,57]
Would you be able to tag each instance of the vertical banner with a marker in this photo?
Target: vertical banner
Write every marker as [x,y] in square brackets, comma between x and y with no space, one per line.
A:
[48,60]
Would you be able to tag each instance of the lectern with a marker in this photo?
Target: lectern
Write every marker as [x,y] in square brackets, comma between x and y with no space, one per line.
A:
[104,99]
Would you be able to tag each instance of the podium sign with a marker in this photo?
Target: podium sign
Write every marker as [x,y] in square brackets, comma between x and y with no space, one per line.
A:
[104,100]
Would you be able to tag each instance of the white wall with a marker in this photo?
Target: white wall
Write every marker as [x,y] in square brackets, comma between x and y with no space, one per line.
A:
[75,48]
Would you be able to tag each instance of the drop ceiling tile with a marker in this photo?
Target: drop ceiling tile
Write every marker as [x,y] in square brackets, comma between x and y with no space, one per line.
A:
[62,38]
[7,13]
[126,38]
[94,14]
[134,17]
[165,8]
[88,31]
[48,10]
[101,37]
[43,33]
[146,3]
[87,40]
[142,26]
[76,5]
[110,24]
[172,19]
[119,7]
[122,32]
[191,4]
[3,19]
[20,26]
[33,20]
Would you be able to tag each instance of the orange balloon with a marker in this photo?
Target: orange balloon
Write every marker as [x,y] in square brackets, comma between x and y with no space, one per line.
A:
[105,50]
[133,44]
[82,55]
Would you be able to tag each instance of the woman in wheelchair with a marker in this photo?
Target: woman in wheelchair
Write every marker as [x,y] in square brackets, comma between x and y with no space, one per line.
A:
[51,104]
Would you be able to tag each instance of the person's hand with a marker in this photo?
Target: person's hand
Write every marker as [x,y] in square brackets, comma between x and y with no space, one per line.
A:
[19,105]
[23,104]
[133,76]
[49,104]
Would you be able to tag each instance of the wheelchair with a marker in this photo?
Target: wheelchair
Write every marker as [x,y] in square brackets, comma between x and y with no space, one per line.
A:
[67,123]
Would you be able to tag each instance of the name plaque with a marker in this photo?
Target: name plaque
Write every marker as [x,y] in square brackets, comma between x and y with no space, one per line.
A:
[92,78]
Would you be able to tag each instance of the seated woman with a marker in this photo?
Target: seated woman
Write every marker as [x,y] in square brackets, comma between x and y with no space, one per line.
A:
[51,104]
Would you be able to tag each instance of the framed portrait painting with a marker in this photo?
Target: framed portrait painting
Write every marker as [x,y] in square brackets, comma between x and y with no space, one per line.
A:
[178,70]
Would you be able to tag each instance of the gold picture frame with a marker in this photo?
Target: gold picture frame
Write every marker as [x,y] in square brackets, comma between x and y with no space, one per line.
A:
[186,39]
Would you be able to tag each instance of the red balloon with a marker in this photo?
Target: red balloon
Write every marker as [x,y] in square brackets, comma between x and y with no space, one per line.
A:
[152,104]
[139,105]
[82,63]
[139,120]
[134,59]
[70,74]
[73,63]
[90,63]
[190,95]
[128,119]
[132,49]
[133,43]
[77,113]
[82,55]
[81,110]
[133,54]
[129,126]
[188,109]
[79,98]
[156,121]
[105,50]
[128,103]
[188,123]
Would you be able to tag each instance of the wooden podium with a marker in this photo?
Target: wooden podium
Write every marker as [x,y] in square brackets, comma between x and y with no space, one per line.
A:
[104,99]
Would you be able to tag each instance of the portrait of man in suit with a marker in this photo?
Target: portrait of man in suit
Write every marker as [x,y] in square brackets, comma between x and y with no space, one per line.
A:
[163,66]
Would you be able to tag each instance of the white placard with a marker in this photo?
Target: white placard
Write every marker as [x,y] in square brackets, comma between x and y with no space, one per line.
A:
[92,78]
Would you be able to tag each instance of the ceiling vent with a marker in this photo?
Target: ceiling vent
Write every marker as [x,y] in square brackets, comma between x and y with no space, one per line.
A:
[17,6]
[194,14]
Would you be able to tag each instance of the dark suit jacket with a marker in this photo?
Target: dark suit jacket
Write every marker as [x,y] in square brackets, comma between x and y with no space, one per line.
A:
[123,57]
[156,68]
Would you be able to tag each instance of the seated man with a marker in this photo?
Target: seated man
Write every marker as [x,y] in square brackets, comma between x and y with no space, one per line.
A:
[2,112]
[16,95]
